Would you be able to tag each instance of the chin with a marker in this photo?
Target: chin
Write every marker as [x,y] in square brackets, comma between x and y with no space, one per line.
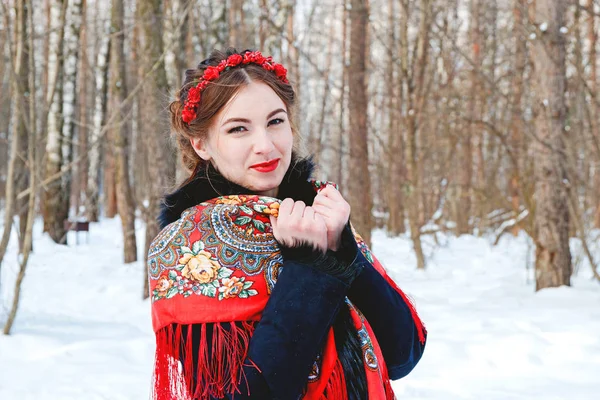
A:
[267,185]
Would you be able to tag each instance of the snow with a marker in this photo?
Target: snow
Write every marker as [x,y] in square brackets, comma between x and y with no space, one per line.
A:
[82,330]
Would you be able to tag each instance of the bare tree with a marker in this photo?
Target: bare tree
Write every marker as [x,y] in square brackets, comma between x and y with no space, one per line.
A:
[18,67]
[154,121]
[120,133]
[84,76]
[395,159]
[359,184]
[517,127]
[26,20]
[595,131]
[237,30]
[101,74]
[70,101]
[54,195]
[413,74]
[553,257]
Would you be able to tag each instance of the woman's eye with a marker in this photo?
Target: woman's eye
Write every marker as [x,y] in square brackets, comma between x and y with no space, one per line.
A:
[277,121]
[236,129]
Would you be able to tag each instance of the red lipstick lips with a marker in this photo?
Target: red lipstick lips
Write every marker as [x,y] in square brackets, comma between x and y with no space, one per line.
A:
[266,166]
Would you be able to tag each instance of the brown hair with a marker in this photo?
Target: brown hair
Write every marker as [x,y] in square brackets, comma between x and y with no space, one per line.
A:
[215,96]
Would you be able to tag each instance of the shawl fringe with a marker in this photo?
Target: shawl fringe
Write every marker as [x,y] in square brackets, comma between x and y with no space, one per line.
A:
[220,363]
[336,386]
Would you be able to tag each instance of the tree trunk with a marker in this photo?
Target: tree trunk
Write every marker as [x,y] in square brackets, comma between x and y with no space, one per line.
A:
[469,152]
[359,184]
[27,20]
[120,133]
[395,160]
[54,195]
[416,94]
[70,101]
[553,257]
[593,40]
[17,173]
[517,127]
[95,151]
[337,138]
[293,57]
[82,168]
[5,113]
[236,27]
[154,121]
[476,133]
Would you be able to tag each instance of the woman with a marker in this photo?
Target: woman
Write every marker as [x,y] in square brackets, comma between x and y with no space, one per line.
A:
[260,288]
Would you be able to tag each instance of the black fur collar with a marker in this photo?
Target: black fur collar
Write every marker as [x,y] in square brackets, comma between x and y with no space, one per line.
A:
[209,183]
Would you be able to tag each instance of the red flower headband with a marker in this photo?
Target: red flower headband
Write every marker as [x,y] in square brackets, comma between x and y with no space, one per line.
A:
[212,73]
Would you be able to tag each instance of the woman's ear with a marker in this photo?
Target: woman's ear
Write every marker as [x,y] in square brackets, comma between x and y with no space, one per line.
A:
[200,148]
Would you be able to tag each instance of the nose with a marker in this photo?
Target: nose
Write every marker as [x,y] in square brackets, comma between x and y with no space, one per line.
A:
[263,142]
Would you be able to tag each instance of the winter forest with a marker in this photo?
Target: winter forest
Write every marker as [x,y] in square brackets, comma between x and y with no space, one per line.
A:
[465,134]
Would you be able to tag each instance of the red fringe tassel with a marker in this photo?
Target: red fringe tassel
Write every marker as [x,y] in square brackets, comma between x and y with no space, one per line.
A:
[336,386]
[218,373]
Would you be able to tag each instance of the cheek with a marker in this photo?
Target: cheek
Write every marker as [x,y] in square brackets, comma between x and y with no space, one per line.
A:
[285,141]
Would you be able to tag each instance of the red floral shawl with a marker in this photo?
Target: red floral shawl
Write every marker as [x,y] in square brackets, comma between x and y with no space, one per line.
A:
[217,264]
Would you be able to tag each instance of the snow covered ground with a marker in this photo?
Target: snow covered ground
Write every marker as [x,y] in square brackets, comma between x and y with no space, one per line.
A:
[83,332]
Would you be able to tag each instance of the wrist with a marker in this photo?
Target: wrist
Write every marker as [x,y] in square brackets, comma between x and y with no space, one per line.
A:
[335,245]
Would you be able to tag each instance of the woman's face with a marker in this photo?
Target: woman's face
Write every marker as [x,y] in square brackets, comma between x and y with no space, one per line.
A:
[250,142]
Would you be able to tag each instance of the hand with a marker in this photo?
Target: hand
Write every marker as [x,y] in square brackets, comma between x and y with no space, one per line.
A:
[298,224]
[330,205]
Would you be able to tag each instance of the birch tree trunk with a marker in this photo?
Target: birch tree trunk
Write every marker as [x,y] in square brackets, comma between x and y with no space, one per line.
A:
[120,133]
[83,131]
[359,184]
[176,28]
[553,257]
[70,100]
[95,150]
[53,218]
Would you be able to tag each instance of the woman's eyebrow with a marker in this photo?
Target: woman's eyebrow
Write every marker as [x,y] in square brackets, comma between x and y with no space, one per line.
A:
[247,121]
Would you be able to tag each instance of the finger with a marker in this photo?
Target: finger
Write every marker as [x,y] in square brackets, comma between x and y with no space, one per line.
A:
[329,191]
[309,213]
[320,221]
[286,207]
[315,215]
[335,195]
[298,210]
[323,211]
[274,228]
[325,201]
